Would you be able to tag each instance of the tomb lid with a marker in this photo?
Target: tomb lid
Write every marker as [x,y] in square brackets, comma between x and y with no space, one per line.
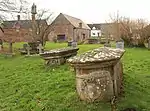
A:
[60,50]
[97,55]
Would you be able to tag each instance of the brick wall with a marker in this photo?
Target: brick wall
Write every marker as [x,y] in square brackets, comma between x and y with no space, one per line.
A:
[24,35]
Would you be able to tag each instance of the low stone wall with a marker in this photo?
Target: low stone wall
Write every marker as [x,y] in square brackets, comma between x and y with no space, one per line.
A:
[98,74]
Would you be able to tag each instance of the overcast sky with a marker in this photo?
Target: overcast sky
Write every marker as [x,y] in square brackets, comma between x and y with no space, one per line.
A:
[97,11]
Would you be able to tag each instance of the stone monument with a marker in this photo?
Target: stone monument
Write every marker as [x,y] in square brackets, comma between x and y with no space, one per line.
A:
[120,44]
[98,74]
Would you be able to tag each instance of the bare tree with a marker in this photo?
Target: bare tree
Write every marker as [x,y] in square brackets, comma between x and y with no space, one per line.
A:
[10,7]
[132,31]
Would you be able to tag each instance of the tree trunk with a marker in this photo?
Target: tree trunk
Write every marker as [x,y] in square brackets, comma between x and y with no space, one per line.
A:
[43,42]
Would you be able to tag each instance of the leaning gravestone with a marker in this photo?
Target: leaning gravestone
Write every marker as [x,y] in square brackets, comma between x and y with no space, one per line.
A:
[98,74]
[120,44]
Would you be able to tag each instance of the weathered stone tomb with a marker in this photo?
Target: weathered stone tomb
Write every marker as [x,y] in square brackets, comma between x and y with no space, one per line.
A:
[58,56]
[99,74]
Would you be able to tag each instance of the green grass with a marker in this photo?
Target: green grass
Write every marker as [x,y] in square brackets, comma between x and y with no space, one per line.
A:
[27,85]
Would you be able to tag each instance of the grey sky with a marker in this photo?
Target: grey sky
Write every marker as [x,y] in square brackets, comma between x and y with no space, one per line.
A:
[96,11]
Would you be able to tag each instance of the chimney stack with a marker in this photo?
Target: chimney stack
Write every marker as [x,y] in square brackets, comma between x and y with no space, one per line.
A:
[80,25]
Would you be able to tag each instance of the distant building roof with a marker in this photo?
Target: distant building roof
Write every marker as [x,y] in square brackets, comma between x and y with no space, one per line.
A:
[23,23]
[74,21]
[97,26]
[100,25]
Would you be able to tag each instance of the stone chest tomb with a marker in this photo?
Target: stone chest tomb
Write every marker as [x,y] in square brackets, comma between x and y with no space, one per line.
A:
[98,74]
[58,56]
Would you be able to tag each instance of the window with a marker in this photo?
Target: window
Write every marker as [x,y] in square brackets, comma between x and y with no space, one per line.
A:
[61,37]
[98,34]
[83,36]
[93,33]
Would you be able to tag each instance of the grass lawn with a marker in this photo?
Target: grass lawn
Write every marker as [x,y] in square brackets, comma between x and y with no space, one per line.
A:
[27,85]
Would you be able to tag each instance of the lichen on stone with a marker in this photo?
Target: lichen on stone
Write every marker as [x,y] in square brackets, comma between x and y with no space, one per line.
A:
[59,50]
[100,54]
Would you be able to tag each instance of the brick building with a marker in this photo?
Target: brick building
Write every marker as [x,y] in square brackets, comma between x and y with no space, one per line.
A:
[18,31]
[67,28]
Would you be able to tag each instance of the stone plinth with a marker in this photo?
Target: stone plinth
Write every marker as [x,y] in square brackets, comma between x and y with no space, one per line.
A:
[58,56]
[98,74]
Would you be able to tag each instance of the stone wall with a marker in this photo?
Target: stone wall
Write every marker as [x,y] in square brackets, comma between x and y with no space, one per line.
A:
[65,29]
[82,34]
[61,26]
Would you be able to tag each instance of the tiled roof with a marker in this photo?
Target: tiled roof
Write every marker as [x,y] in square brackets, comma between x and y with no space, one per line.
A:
[24,23]
[75,22]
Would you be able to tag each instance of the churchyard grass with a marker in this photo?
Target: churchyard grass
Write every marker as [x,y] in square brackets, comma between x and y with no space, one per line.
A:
[27,85]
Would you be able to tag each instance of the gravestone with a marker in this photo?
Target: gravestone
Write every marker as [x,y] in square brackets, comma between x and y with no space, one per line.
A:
[25,46]
[98,74]
[69,43]
[120,44]
[28,50]
[40,48]
[74,44]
